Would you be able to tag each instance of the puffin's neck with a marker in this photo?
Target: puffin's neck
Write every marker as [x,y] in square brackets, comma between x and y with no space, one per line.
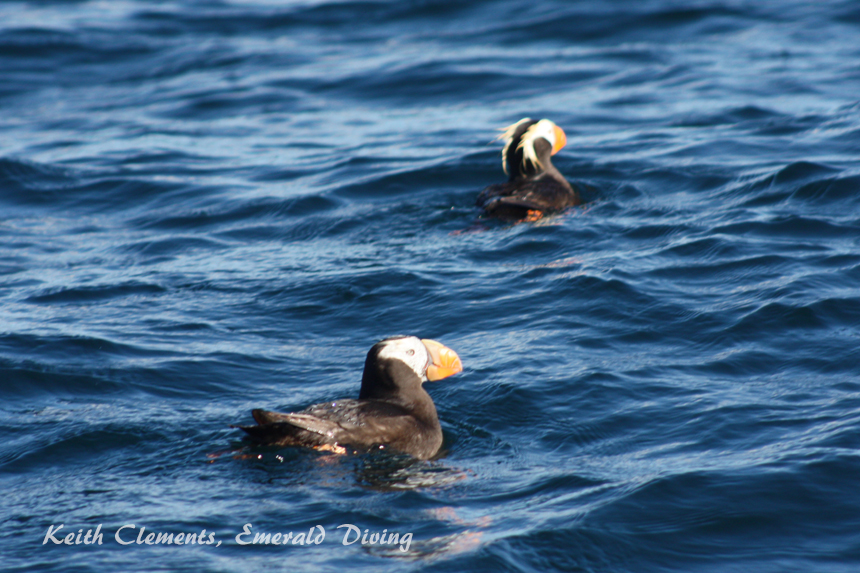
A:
[391,381]
[378,383]
[543,152]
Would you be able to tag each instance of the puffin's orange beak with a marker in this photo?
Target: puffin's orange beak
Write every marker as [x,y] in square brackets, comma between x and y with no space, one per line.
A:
[445,361]
[560,139]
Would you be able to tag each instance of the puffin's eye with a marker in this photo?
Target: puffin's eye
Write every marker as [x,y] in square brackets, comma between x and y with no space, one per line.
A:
[410,352]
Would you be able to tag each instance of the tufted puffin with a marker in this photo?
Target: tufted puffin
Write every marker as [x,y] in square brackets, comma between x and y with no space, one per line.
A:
[393,409]
[535,187]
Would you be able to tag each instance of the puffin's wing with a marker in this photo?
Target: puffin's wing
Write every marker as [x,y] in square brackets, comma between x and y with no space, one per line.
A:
[266,417]
[356,422]
[303,421]
[364,422]
[524,202]
[516,198]
[290,429]
[492,192]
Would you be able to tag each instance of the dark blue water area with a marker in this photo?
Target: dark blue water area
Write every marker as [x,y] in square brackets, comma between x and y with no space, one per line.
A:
[209,207]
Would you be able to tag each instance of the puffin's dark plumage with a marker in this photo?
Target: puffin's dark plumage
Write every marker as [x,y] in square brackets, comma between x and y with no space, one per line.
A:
[392,409]
[535,187]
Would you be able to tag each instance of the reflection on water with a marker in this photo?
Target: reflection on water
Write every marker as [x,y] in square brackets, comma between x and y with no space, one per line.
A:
[379,471]
[399,472]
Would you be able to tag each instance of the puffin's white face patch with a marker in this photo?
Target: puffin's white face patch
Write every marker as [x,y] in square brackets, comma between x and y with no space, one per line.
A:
[544,128]
[409,350]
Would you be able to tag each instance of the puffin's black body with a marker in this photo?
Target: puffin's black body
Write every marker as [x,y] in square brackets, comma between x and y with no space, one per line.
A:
[392,410]
[535,186]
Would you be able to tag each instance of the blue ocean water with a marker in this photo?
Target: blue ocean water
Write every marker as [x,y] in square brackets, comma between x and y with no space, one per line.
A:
[207,207]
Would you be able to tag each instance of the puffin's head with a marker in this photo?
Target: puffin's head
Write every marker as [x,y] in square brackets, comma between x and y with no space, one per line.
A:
[397,363]
[521,140]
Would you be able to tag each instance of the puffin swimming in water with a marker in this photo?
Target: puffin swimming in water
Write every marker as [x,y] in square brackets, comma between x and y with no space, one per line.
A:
[392,410]
[535,187]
